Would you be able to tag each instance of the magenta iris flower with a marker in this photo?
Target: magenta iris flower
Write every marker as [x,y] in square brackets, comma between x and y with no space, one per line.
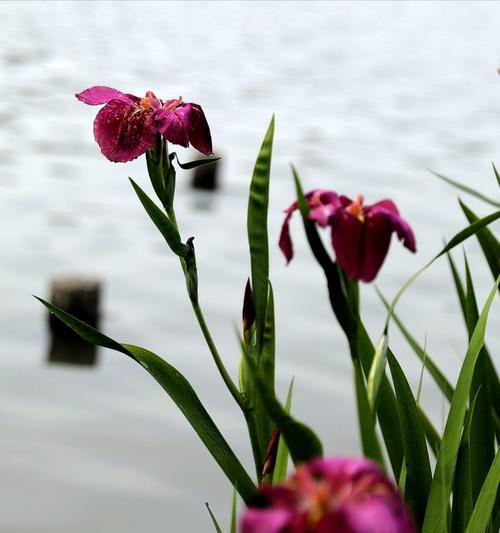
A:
[127,126]
[360,234]
[330,495]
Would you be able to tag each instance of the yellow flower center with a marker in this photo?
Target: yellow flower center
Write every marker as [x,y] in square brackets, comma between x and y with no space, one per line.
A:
[356,208]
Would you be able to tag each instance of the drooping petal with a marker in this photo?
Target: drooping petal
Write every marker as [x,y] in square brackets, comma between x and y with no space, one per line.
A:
[124,131]
[265,520]
[285,241]
[199,136]
[102,95]
[399,224]
[174,125]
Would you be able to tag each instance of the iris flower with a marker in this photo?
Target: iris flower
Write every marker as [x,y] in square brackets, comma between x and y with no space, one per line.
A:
[360,234]
[127,126]
[330,495]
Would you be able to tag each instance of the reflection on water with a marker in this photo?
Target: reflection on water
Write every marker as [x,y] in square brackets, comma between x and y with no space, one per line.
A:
[367,96]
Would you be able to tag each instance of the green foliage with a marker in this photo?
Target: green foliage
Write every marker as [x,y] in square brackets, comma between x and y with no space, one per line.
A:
[181,392]
[257,232]
[436,518]
[281,466]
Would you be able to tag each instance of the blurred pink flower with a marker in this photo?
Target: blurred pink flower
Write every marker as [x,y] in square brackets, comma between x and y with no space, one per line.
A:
[360,234]
[127,126]
[331,495]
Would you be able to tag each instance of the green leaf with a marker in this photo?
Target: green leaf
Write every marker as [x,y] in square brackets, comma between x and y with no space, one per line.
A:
[468,190]
[496,174]
[482,510]
[377,372]
[462,483]
[257,232]
[266,365]
[302,442]
[418,469]
[487,241]
[436,518]
[434,371]
[369,439]
[214,520]
[482,436]
[181,392]
[196,163]
[458,286]
[281,466]
[234,512]
[431,434]
[162,222]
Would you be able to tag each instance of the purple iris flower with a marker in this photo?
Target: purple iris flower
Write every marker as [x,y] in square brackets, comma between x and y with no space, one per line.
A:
[127,126]
[360,234]
[330,495]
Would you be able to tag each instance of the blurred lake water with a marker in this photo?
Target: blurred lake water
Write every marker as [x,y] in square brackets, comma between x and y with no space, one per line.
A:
[367,97]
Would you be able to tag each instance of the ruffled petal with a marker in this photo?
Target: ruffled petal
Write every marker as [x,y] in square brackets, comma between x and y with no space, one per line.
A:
[123,131]
[265,520]
[102,95]
[174,125]
[285,241]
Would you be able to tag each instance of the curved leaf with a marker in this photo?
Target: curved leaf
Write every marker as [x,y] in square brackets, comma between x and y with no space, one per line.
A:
[418,469]
[166,227]
[486,500]
[181,392]
[436,518]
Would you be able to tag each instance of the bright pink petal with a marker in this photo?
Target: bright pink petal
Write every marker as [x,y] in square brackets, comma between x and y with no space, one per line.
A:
[102,95]
[285,241]
[124,131]
[377,514]
[270,520]
[174,125]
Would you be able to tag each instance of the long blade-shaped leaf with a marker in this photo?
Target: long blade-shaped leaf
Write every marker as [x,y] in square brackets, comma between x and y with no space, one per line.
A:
[214,520]
[418,470]
[468,190]
[301,440]
[281,465]
[496,174]
[257,231]
[482,436]
[486,500]
[436,516]
[434,371]
[181,392]
[377,372]
[487,241]
[369,439]
[162,222]
[459,287]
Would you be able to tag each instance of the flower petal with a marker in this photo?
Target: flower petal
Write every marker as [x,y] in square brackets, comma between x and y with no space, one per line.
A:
[265,520]
[399,224]
[199,136]
[285,241]
[102,95]
[174,125]
[124,131]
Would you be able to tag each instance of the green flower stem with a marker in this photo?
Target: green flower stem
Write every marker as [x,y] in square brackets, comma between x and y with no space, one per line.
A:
[256,450]
[216,357]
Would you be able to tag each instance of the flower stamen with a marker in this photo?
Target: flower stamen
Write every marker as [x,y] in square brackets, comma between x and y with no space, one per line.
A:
[356,208]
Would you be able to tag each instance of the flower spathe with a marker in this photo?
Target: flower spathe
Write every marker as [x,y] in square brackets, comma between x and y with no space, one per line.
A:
[127,126]
[360,234]
[330,495]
